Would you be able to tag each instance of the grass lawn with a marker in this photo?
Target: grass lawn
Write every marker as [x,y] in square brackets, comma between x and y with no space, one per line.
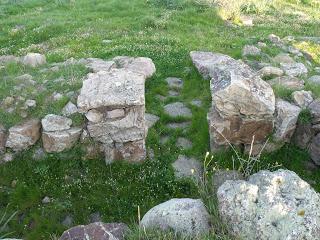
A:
[165,31]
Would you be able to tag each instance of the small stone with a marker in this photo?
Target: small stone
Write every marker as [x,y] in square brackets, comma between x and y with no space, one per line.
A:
[7,59]
[30,103]
[269,71]
[164,139]
[34,59]
[184,143]
[54,69]
[160,97]
[196,102]
[116,113]
[283,58]
[57,96]
[185,167]
[173,93]
[52,122]
[151,120]
[174,82]
[94,116]
[67,221]
[302,98]
[177,109]
[46,200]
[69,109]
[181,125]
[274,38]
[106,41]
[150,153]
[8,101]
[25,78]
[314,79]
[14,183]
[294,69]
[251,50]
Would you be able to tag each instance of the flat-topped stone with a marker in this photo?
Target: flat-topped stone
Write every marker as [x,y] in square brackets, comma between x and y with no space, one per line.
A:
[185,167]
[52,122]
[118,87]
[174,82]
[177,109]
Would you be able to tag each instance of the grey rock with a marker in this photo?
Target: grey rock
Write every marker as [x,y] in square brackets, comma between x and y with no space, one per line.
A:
[30,103]
[283,58]
[314,149]
[95,217]
[46,200]
[314,79]
[286,119]
[274,39]
[250,50]
[196,102]
[219,177]
[151,120]
[294,69]
[174,82]
[95,65]
[7,157]
[173,93]
[69,109]
[184,143]
[59,141]
[177,109]
[270,205]
[115,113]
[302,98]
[289,82]
[52,122]
[186,216]
[34,59]
[314,108]
[179,125]
[185,167]
[142,65]
[96,231]
[22,136]
[303,135]
[57,96]
[94,116]
[269,71]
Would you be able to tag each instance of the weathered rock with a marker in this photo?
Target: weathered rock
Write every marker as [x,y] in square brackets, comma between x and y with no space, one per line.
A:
[283,58]
[314,79]
[292,83]
[24,135]
[122,61]
[7,157]
[173,93]
[286,120]
[196,102]
[294,69]
[303,135]
[302,98]
[52,122]
[271,205]
[46,200]
[174,82]
[34,59]
[250,50]
[151,120]
[115,113]
[143,66]
[220,176]
[96,65]
[185,167]
[96,231]
[69,109]
[30,103]
[274,39]
[177,109]
[7,59]
[184,143]
[116,88]
[178,125]
[59,141]
[314,149]
[269,71]
[186,216]
[314,108]
[94,116]
[3,138]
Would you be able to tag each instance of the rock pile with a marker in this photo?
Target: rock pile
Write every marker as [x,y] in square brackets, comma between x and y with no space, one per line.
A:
[243,104]
[114,104]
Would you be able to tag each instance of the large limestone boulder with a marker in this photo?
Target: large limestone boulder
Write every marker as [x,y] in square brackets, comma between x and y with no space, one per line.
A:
[242,103]
[34,59]
[286,120]
[270,205]
[186,216]
[96,231]
[22,136]
[59,141]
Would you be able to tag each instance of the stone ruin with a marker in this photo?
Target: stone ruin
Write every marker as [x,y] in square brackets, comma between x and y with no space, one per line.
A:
[243,104]
[114,104]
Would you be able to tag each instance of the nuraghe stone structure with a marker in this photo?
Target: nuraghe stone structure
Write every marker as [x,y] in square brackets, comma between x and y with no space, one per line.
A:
[114,103]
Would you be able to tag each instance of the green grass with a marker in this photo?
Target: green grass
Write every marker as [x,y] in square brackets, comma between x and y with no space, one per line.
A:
[165,31]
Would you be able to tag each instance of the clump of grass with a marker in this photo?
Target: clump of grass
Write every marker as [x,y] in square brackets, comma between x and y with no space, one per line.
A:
[305,116]
[282,92]
[4,221]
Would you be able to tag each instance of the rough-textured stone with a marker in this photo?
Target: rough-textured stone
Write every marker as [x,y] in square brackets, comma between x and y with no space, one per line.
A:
[116,88]
[142,65]
[314,149]
[196,102]
[286,120]
[174,82]
[115,113]
[7,157]
[185,167]
[292,83]
[178,125]
[34,59]
[184,143]
[96,231]
[315,79]
[220,176]
[283,58]
[314,108]
[59,141]
[96,65]
[250,50]
[186,216]
[177,109]
[94,116]
[3,138]
[302,98]
[274,38]
[69,109]
[151,120]
[52,122]
[7,59]
[24,135]
[269,71]
[271,205]
[294,69]
[303,135]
